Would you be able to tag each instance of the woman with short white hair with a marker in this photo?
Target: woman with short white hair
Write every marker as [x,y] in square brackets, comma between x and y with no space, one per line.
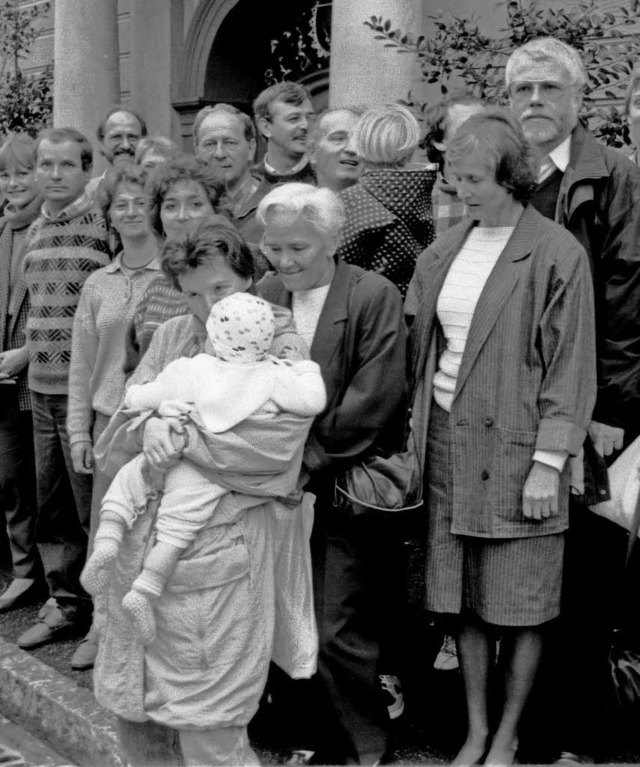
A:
[352,321]
[388,212]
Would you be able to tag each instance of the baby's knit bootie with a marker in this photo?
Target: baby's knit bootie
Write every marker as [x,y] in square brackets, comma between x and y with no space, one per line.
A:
[95,575]
[139,608]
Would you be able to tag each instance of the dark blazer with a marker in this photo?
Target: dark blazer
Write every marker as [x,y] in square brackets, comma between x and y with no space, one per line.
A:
[527,379]
[360,346]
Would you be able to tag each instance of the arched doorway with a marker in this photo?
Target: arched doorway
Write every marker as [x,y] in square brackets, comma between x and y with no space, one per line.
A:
[235,48]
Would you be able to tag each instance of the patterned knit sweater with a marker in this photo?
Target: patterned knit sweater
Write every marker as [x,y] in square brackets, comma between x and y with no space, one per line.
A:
[61,252]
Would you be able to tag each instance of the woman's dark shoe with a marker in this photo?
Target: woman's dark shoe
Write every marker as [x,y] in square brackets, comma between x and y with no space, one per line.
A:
[21,592]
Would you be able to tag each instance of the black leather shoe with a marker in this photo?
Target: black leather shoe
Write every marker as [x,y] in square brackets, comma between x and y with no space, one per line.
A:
[23,591]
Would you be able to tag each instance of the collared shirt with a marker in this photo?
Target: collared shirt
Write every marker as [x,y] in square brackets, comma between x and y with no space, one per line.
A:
[71,210]
[117,265]
[296,168]
[557,159]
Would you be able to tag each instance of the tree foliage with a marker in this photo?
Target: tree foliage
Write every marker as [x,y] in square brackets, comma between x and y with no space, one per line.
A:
[26,100]
[459,54]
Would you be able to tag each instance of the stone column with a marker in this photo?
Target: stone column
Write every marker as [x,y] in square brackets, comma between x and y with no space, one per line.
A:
[86,64]
[362,70]
[151,65]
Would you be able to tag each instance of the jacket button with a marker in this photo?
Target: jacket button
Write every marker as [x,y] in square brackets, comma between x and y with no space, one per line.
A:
[463,422]
[488,421]
[485,475]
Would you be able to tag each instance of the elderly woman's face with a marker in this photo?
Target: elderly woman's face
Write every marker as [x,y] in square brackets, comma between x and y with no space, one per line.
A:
[17,185]
[207,284]
[477,187]
[129,211]
[183,206]
[301,255]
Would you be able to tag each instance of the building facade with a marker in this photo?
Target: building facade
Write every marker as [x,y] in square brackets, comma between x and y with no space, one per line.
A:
[171,57]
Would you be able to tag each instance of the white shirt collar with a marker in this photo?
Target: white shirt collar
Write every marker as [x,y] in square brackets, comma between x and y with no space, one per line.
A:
[296,168]
[562,154]
[557,158]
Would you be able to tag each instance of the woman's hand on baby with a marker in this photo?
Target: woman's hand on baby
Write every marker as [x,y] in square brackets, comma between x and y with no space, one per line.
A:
[540,495]
[158,444]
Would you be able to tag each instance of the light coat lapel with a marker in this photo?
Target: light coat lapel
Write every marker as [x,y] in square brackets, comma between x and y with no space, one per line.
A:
[443,252]
[495,294]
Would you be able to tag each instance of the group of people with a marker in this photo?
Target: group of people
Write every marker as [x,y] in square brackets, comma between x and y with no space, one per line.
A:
[195,348]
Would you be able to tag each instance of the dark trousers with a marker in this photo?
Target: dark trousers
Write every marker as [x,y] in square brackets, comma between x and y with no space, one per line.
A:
[574,690]
[18,484]
[359,600]
[64,502]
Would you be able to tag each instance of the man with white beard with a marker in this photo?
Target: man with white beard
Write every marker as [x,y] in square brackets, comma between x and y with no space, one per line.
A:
[594,192]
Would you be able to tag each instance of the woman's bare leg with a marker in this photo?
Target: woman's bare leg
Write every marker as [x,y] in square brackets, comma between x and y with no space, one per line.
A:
[519,660]
[476,650]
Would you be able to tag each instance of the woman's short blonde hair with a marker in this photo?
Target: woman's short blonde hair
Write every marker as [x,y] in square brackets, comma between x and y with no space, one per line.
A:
[321,208]
[387,135]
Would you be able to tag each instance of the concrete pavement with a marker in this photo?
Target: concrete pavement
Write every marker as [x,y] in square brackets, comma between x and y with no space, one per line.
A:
[19,748]
[55,709]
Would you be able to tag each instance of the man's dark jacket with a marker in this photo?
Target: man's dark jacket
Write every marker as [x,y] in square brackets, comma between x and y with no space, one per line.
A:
[599,203]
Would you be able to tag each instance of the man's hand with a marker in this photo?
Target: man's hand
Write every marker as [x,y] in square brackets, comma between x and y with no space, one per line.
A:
[158,444]
[606,438]
[540,494]
[82,457]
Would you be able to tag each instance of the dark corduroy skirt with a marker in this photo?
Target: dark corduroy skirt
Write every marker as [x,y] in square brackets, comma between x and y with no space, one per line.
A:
[505,581]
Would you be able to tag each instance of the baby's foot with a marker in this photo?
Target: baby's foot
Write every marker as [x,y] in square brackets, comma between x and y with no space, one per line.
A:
[95,575]
[139,608]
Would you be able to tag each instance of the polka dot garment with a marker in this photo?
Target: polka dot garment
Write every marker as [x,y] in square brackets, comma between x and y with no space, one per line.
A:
[388,222]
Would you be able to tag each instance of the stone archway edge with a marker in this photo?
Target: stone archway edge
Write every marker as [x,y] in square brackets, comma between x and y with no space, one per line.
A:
[199,40]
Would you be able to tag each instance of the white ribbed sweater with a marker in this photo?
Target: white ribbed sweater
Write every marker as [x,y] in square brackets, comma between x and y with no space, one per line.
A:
[458,299]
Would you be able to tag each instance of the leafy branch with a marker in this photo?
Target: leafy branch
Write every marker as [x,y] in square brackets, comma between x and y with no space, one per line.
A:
[458,53]
[26,100]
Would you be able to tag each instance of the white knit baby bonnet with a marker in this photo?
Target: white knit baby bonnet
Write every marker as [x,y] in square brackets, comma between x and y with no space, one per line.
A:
[241,328]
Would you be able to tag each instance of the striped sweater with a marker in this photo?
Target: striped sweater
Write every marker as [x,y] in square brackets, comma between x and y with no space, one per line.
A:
[61,252]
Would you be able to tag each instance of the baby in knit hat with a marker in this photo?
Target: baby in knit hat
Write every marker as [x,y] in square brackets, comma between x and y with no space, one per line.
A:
[239,382]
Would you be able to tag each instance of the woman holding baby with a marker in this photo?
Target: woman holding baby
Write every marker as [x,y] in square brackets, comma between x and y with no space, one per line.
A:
[187,696]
